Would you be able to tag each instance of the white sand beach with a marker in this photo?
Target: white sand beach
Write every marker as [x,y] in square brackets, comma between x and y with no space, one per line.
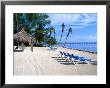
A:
[43,61]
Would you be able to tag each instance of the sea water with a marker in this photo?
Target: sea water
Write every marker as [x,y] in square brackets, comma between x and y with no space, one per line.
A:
[92,47]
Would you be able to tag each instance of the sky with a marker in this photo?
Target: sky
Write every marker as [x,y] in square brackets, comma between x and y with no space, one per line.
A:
[84,26]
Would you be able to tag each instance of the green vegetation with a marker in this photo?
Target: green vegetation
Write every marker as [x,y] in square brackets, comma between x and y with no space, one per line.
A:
[51,41]
[36,25]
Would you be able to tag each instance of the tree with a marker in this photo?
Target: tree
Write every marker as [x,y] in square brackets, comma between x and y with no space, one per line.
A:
[51,41]
[62,32]
[54,32]
[16,21]
[40,31]
[34,24]
[21,21]
[49,31]
[49,37]
[69,31]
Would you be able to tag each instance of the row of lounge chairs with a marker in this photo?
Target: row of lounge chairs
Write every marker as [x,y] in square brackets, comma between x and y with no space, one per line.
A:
[72,58]
[53,48]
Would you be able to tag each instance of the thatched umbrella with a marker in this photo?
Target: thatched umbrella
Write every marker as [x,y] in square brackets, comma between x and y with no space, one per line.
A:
[24,37]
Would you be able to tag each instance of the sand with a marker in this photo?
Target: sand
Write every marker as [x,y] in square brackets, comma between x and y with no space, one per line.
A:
[43,61]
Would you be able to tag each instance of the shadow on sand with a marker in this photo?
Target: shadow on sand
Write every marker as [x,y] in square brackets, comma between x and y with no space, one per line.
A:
[18,50]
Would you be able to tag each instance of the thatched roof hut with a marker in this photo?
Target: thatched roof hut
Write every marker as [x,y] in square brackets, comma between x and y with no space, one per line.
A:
[24,37]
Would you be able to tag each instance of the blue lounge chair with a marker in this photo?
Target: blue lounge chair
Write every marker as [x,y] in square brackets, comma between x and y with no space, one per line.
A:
[73,58]
[61,53]
[64,55]
[79,59]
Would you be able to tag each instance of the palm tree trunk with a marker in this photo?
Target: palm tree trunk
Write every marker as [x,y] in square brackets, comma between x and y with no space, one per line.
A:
[62,32]
[17,21]
[65,42]
[24,20]
[17,26]
[54,34]
[60,39]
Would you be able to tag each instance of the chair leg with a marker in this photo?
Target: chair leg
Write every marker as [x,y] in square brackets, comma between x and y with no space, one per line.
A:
[73,62]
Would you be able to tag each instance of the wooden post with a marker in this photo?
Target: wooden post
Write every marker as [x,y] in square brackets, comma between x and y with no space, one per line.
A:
[22,46]
[31,46]
[18,45]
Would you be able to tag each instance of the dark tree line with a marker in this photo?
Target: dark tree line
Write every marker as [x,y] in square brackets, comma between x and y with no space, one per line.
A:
[35,24]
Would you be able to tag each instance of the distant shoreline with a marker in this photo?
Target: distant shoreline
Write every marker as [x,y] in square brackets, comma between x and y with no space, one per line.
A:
[82,47]
[83,50]
[80,43]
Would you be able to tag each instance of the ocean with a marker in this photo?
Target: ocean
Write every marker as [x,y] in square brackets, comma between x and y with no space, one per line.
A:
[91,47]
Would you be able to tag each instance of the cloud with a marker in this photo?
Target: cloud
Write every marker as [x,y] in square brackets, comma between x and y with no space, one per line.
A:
[74,20]
[89,18]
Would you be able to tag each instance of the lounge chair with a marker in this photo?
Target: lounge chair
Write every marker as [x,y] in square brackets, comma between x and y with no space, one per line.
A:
[17,49]
[53,48]
[79,59]
[63,55]
[93,62]
[74,59]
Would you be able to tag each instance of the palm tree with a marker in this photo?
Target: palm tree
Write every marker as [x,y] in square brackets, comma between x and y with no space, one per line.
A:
[34,23]
[69,31]
[62,32]
[51,30]
[51,41]
[48,33]
[54,33]
[17,21]
[17,25]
